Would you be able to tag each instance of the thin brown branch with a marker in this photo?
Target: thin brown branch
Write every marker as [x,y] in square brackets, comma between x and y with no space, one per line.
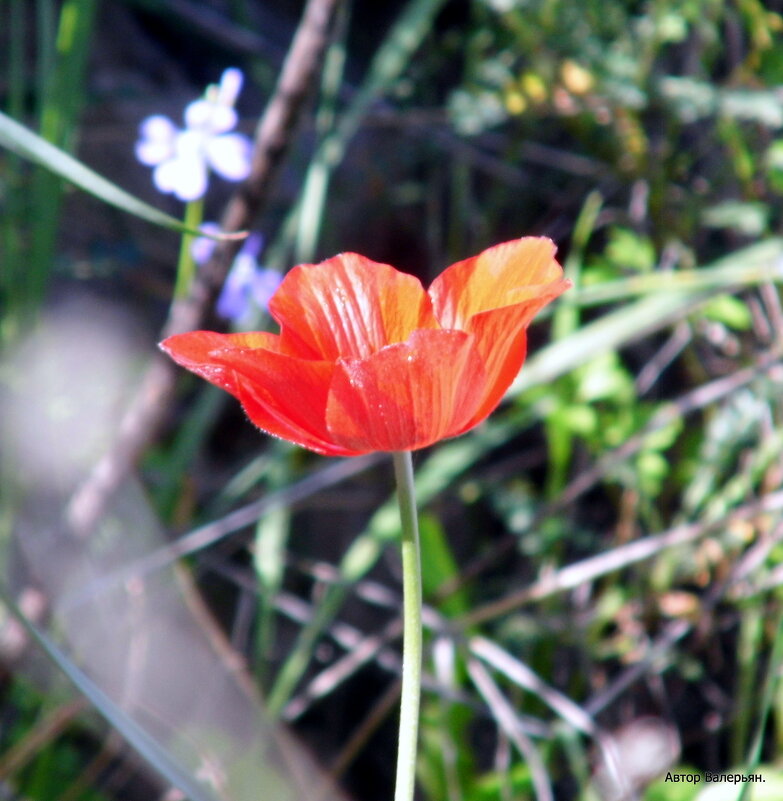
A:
[272,140]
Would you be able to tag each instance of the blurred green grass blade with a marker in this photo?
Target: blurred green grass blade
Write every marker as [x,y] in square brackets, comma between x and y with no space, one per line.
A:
[613,330]
[45,35]
[749,650]
[440,567]
[300,655]
[271,540]
[771,682]
[147,747]
[671,299]
[17,30]
[752,265]
[62,88]
[11,264]
[63,94]
[24,142]
[391,59]
[565,319]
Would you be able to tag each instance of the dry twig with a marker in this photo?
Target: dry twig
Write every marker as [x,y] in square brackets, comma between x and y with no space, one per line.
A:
[273,137]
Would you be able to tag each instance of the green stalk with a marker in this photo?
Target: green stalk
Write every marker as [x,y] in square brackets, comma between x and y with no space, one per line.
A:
[767,700]
[64,44]
[186,267]
[411,638]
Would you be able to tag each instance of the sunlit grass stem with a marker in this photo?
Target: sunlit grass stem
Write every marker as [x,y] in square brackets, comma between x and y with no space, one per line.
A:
[64,43]
[186,266]
[411,638]
[767,699]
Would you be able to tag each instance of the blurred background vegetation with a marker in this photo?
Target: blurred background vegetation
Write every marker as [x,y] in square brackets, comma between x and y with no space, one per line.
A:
[603,559]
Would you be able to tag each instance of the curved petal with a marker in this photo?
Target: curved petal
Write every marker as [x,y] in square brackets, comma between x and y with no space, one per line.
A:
[229,156]
[501,340]
[408,395]
[152,152]
[196,351]
[348,306]
[210,117]
[495,296]
[282,395]
[503,275]
[158,136]
[230,86]
[185,178]
[286,397]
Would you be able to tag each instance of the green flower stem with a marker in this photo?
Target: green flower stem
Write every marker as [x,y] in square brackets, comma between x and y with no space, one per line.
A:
[186,267]
[411,638]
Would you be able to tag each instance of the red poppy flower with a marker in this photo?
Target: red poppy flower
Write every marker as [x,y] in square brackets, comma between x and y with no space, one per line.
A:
[366,360]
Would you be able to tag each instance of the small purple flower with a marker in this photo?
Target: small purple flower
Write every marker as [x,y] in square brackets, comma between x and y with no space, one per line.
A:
[183,157]
[203,246]
[248,285]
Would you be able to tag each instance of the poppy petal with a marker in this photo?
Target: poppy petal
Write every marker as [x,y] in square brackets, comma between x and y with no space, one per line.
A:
[503,275]
[286,397]
[348,306]
[367,361]
[501,340]
[282,395]
[407,395]
[495,296]
[195,352]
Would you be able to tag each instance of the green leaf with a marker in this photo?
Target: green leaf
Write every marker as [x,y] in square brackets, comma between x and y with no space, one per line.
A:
[630,251]
[513,783]
[604,378]
[27,144]
[651,468]
[730,311]
[746,218]
[439,566]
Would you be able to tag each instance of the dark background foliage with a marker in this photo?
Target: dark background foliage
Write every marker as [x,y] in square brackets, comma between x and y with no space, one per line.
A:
[615,528]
